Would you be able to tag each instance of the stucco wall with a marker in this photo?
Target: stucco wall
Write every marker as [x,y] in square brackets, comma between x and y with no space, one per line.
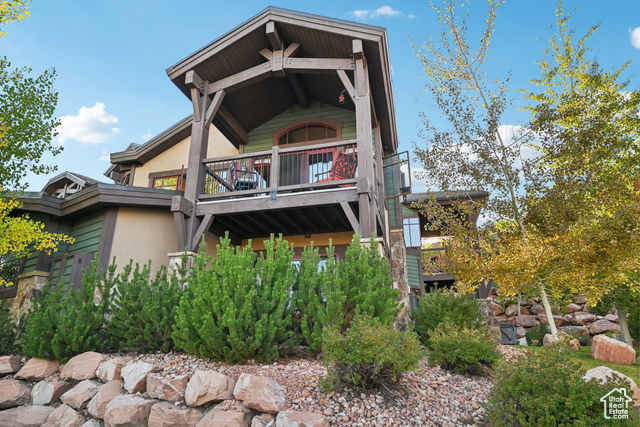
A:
[178,156]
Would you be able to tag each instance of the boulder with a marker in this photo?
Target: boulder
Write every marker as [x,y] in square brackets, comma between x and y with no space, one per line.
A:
[208,386]
[260,393]
[497,308]
[106,393]
[578,319]
[602,327]
[581,299]
[559,321]
[573,307]
[82,366]
[611,318]
[575,331]
[301,419]
[165,414]
[109,370]
[604,374]
[135,375]
[25,416]
[9,365]
[127,410]
[610,350]
[526,321]
[507,321]
[234,418]
[512,310]
[537,309]
[78,396]
[37,369]
[520,332]
[91,423]
[171,389]
[13,393]
[64,416]
[570,341]
[48,392]
[263,420]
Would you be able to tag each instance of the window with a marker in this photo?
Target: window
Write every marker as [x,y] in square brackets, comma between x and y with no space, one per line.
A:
[307,132]
[167,182]
[411,232]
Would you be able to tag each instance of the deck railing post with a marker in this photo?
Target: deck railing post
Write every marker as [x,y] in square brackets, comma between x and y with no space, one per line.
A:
[275,168]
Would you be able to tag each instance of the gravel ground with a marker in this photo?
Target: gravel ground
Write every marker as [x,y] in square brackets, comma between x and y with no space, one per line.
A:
[427,397]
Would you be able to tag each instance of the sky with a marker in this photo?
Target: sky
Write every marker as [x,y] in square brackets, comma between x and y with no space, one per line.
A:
[111,56]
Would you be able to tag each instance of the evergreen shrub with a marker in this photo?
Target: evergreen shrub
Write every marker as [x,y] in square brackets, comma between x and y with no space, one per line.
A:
[545,388]
[143,310]
[63,323]
[535,335]
[369,355]
[237,306]
[438,305]
[461,349]
[9,335]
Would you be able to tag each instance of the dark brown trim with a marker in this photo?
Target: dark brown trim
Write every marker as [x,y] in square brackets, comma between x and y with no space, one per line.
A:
[168,173]
[9,293]
[106,238]
[44,259]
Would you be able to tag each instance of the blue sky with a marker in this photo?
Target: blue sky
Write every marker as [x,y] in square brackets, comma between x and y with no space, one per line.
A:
[111,58]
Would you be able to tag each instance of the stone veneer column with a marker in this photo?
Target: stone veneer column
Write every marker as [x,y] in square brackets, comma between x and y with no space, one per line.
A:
[27,284]
[176,260]
[400,274]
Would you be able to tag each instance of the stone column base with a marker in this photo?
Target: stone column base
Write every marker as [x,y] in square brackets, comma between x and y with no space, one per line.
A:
[180,260]
[28,283]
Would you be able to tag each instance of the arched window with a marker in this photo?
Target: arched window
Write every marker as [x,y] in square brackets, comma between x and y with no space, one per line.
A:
[307,132]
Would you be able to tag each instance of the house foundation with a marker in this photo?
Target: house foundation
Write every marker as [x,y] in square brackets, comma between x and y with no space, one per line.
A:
[28,284]
[400,275]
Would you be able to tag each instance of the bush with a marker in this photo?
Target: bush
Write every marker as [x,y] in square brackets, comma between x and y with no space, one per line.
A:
[536,334]
[330,296]
[545,388]
[370,354]
[143,310]
[62,323]
[239,308]
[462,349]
[8,330]
[433,308]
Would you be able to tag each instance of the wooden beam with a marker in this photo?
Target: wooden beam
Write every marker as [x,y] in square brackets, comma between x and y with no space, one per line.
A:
[266,54]
[316,65]
[265,217]
[351,216]
[276,63]
[311,224]
[241,79]
[242,134]
[292,50]
[337,212]
[204,226]
[196,100]
[299,89]
[326,220]
[358,52]
[181,232]
[274,36]
[291,222]
[213,107]
[193,80]
[182,205]
[347,85]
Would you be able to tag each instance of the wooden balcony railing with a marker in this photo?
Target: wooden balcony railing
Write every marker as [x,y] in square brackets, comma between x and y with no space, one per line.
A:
[308,168]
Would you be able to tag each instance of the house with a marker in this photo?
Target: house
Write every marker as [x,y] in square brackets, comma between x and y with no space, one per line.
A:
[293,132]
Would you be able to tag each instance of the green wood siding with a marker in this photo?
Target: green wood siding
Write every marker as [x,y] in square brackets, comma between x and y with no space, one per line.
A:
[407,211]
[32,259]
[413,269]
[261,138]
[388,183]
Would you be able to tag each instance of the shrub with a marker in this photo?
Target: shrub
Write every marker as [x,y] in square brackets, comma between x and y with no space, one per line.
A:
[545,388]
[433,308]
[330,296]
[462,349]
[536,334]
[370,354]
[62,323]
[238,309]
[143,310]
[8,330]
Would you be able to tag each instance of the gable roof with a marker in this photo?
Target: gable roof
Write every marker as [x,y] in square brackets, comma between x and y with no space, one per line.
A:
[67,183]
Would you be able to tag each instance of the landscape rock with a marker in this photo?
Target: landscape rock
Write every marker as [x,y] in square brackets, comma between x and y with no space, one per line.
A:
[611,318]
[537,309]
[581,299]
[235,418]
[37,369]
[260,393]
[165,414]
[13,393]
[520,332]
[572,342]
[9,365]
[208,386]
[512,310]
[602,327]
[577,331]
[573,307]
[106,393]
[497,308]
[64,416]
[301,419]
[82,366]
[578,319]
[170,389]
[25,416]
[109,370]
[48,392]
[559,321]
[605,373]
[78,396]
[135,375]
[526,321]
[91,423]
[128,410]
[611,350]
[263,420]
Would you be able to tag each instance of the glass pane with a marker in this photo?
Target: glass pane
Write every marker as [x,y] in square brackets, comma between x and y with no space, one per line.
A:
[317,132]
[298,135]
[331,132]
[283,139]
[166,183]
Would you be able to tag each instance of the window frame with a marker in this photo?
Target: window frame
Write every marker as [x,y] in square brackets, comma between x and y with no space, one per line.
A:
[308,121]
[169,174]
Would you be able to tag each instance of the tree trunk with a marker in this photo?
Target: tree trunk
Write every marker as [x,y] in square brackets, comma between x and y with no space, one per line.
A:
[624,326]
[547,310]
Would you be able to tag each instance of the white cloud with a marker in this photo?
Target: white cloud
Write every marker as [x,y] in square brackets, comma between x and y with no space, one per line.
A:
[634,35]
[104,156]
[92,125]
[146,136]
[386,11]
